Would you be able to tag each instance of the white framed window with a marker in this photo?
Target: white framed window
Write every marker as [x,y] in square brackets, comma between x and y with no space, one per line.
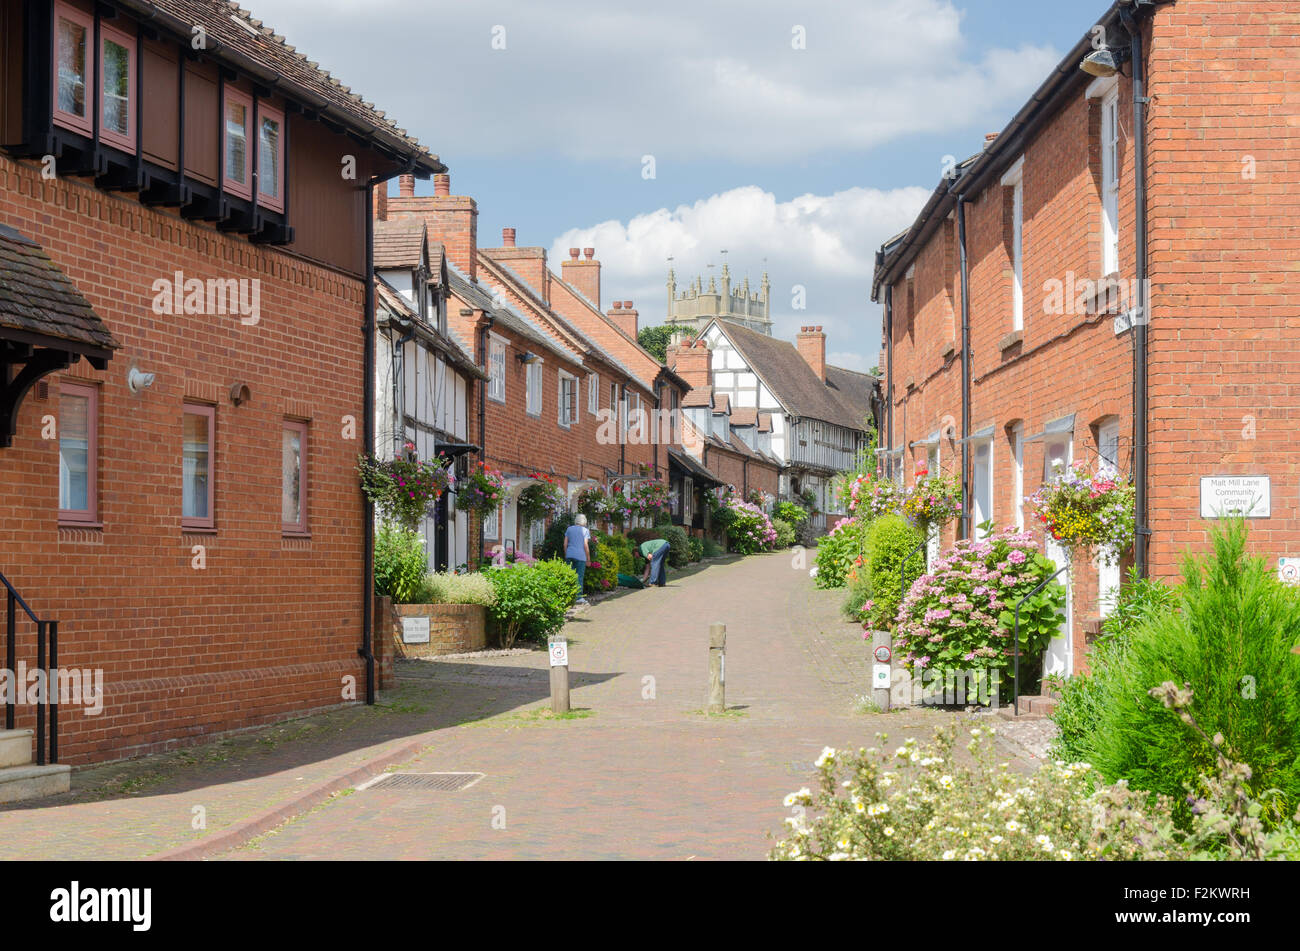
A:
[1110,182]
[635,418]
[1057,457]
[593,393]
[1015,180]
[982,490]
[568,403]
[496,369]
[1108,447]
[491,524]
[533,405]
[1018,474]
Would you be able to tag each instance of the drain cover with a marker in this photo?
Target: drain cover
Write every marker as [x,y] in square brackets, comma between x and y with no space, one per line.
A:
[442,782]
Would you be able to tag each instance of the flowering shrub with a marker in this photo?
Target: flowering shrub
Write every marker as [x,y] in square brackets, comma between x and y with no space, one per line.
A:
[542,499]
[961,614]
[602,570]
[482,490]
[933,500]
[749,529]
[1086,511]
[404,489]
[839,552]
[649,499]
[501,558]
[924,803]
[890,557]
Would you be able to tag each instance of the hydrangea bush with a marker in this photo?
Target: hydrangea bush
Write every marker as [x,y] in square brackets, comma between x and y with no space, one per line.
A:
[749,529]
[960,615]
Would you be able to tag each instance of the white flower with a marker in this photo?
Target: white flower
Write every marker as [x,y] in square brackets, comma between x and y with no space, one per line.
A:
[886,780]
[837,857]
[843,842]
[996,840]
[1065,855]
[975,732]
[803,795]
[878,809]
[1043,842]
[889,831]
[945,782]
[859,807]
[949,855]
[828,756]
[1013,826]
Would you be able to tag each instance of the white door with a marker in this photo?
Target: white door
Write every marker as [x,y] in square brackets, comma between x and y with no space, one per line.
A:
[932,534]
[983,487]
[1058,659]
[1108,575]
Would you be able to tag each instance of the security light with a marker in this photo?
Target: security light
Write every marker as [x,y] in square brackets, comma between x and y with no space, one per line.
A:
[526,357]
[1105,61]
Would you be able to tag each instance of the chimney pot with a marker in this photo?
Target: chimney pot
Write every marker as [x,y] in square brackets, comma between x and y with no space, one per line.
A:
[573,253]
[508,237]
[406,186]
[589,253]
[627,305]
[442,184]
[618,305]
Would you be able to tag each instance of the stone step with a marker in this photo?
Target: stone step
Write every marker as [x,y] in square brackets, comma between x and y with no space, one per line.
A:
[34,782]
[15,747]
[1035,707]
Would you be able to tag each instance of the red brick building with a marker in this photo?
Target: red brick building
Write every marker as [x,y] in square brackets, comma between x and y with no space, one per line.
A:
[567,392]
[184,501]
[1126,242]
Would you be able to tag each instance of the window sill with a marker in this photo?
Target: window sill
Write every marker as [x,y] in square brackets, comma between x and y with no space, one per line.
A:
[494,399]
[198,529]
[285,533]
[1010,340]
[71,523]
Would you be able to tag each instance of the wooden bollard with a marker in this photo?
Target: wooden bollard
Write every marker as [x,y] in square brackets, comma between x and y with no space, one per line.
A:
[558,648]
[717,668]
[882,649]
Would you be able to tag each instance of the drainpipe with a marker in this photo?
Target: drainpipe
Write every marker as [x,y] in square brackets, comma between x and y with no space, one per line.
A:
[482,406]
[1143,315]
[967,508]
[889,368]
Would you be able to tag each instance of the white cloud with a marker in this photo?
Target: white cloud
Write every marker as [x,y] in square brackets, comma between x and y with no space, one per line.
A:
[823,243]
[678,79]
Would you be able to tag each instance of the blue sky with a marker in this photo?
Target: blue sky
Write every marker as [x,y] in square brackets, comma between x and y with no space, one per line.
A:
[798,159]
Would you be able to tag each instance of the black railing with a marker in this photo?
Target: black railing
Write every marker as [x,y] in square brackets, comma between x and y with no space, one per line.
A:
[47,635]
[1015,693]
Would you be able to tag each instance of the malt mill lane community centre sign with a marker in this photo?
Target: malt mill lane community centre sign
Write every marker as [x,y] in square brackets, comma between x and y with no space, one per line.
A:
[1222,496]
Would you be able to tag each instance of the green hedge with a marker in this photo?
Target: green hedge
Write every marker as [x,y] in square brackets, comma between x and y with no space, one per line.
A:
[837,554]
[531,600]
[602,570]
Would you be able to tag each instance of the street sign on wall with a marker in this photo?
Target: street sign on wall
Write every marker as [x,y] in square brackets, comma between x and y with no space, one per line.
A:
[415,630]
[1222,496]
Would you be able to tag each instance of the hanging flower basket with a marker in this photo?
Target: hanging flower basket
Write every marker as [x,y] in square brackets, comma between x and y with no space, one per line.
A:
[649,499]
[593,502]
[873,497]
[1086,511]
[933,500]
[481,490]
[543,499]
[404,489]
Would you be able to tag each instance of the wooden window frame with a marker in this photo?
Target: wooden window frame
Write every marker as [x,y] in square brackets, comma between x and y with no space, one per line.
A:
[237,188]
[303,525]
[89,516]
[209,522]
[496,343]
[568,411]
[124,142]
[276,202]
[529,408]
[90,94]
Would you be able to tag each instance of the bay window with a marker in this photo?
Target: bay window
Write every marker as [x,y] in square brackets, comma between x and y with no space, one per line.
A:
[236,174]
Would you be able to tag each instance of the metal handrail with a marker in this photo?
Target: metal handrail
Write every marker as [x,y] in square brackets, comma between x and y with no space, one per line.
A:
[902,566]
[1015,690]
[47,633]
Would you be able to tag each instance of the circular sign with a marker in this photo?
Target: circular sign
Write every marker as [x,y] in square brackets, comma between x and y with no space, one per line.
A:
[882,654]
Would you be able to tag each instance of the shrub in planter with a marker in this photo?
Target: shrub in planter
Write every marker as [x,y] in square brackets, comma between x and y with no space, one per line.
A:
[1078,713]
[531,599]
[401,564]
[1231,642]
[445,587]
[785,533]
[602,570]
[959,616]
[887,543]
[838,552]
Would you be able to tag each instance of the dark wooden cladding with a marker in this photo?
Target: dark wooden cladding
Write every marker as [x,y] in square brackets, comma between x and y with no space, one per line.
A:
[161,113]
[327,210]
[11,70]
[202,149]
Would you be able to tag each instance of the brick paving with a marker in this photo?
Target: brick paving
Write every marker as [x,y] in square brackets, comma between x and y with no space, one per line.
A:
[645,774]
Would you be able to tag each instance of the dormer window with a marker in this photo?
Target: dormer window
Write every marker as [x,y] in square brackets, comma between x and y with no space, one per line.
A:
[235,171]
[116,96]
[270,157]
[72,31]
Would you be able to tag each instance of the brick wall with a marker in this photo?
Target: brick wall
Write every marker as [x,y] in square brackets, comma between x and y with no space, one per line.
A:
[270,625]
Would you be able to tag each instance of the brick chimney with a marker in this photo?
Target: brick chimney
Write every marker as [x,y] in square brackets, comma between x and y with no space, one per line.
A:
[381,201]
[507,237]
[622,315]
[406,186]
[584,275]
[452,220]
[528,263]
[691,361]
[811,343]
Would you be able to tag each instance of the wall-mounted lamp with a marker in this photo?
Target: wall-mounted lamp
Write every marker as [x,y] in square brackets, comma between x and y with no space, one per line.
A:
[527,357]
[1104,62]
[137,379]
[240,393]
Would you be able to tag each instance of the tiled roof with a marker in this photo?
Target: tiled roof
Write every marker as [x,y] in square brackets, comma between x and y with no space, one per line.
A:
[693,466]
[233,35]
[698,396]
[505,315]
[722,405]
[764,422]
[37,297]
[744,416]
[399,243]
[789,377]
[853,389]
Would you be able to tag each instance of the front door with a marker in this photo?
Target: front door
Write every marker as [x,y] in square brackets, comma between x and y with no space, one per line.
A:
[1059,656]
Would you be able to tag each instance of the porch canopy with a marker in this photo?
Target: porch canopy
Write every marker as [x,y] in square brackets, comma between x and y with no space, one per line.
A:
[688,466]
[45,325]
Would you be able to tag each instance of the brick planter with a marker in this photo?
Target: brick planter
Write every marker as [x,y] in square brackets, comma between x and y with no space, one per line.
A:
[453,629]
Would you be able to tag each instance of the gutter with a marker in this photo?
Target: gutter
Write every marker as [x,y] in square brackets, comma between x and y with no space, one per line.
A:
[967,509]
